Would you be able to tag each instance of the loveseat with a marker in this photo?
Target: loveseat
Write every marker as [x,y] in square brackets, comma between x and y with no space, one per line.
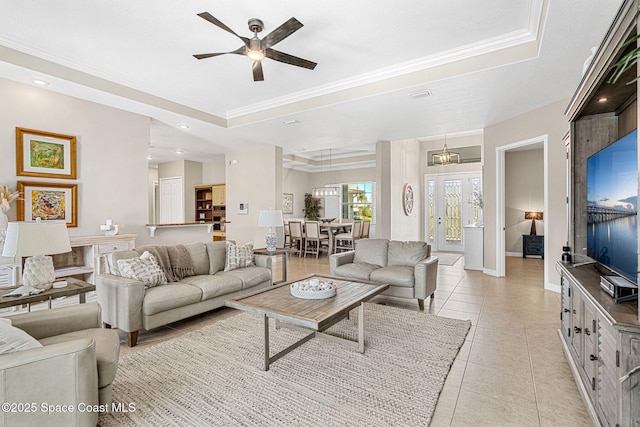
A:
[407,267]
[59,360]
[209,273]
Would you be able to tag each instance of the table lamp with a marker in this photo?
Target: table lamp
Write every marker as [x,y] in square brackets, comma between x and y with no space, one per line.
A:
[36,240]
[533,216]
[270,218]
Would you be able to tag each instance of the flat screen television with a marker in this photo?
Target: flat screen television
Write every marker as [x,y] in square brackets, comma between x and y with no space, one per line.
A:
[612,206]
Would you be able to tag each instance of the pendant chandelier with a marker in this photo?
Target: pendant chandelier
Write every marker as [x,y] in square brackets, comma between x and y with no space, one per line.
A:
[328,190]
[445,157]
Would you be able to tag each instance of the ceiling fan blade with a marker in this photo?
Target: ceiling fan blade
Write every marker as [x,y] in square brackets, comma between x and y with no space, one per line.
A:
[282,32]
[257,71]
[289,59]
[216,22]
[242,50]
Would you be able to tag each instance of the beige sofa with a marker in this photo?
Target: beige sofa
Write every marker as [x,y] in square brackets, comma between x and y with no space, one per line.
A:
[129,306]
[407,267]
[74,365]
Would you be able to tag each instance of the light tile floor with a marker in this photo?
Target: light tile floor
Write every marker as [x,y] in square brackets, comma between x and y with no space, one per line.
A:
[511,370]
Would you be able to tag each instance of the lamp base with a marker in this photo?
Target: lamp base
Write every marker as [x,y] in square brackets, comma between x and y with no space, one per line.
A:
[38,272]
[533,228]
[271,240]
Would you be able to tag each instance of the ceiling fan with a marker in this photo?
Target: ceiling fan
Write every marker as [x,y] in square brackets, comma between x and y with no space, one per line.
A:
[257,49]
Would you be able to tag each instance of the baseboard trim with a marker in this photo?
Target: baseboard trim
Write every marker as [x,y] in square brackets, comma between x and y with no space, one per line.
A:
[514,254]
[553,287]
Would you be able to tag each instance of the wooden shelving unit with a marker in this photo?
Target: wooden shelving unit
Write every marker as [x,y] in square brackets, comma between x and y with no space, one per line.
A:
[211,207]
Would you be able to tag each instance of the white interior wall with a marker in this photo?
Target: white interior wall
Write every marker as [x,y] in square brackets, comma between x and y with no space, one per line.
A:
[550,122]
[261,190]
[213,172]
[111,154]
[405,168]
[524,192]
[297,183]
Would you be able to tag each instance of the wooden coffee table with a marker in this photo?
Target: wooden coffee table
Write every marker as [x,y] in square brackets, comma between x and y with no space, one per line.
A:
[318,315]
[74,287]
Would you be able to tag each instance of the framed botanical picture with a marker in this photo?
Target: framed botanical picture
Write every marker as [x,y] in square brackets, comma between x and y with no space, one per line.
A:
[45,154]
[287,203]
[49,201]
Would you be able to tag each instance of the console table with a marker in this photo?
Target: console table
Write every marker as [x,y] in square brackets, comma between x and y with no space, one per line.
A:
[532,245]
[601,340]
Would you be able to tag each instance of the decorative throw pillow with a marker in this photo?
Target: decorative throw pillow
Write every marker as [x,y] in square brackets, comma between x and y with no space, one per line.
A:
[145,269]
[13,339]
[238,256]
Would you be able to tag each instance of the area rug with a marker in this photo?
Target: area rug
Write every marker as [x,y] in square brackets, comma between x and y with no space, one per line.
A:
[447,258]
[213,376]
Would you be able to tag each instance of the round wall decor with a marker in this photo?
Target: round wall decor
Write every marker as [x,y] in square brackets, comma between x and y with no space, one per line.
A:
[407,199]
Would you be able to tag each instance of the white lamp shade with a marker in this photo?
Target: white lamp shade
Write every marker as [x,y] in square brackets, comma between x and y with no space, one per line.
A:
[269,218]
[25,239]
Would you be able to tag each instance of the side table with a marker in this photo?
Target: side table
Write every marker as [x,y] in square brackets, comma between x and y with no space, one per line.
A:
[532,245]
[284,252]
[74,287]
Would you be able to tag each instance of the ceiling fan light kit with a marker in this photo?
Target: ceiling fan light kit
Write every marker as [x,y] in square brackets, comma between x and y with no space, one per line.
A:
[257,49]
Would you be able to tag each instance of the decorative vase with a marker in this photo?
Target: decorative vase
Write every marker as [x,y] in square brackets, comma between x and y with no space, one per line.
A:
[4,223]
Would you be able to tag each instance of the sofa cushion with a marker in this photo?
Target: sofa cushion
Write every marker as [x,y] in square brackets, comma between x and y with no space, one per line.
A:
[217,252]
[396,275]
[167,297]
[356,270]
[238,256]
[216,285]
[112,260]
[107,350]
[13,339]
[199,257]
[407,253]
[371,251]
[144,268]
[250,276]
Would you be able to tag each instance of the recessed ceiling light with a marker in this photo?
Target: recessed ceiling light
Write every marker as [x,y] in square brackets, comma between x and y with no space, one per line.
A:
[40,82]
[179,151]
[183,126]
[603,99]
[420,94]
[291,122]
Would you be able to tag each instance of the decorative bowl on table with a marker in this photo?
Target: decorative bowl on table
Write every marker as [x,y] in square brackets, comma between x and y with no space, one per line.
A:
[313,289]
[327,220]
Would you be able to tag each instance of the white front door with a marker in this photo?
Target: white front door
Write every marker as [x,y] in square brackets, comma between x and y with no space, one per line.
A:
[449,206]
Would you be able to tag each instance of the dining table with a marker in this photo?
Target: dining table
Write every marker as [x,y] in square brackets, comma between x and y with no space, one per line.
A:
[334,228]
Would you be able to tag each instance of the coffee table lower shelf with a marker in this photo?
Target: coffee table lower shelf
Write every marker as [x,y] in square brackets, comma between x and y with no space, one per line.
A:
[316,315]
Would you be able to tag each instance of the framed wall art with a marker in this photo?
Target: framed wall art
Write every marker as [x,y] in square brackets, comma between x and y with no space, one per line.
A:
[287,203]
[49,201]
[45,154]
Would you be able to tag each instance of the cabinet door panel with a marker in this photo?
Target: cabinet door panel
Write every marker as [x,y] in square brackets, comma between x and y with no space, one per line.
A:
[607,391]
[631,387]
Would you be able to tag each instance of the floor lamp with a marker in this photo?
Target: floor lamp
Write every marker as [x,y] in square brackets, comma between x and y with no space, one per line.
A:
[36,240]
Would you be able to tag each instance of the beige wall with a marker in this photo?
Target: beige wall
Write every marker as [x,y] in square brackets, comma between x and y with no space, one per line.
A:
[524,192]
[405,168]
[112,154]
[548,121]
[214,172]
[254,177]
[296,183]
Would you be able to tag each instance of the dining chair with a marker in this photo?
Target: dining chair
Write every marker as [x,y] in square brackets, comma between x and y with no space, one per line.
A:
[366,226]
[287,235]
[347,241]
[314,239]
[296,236]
